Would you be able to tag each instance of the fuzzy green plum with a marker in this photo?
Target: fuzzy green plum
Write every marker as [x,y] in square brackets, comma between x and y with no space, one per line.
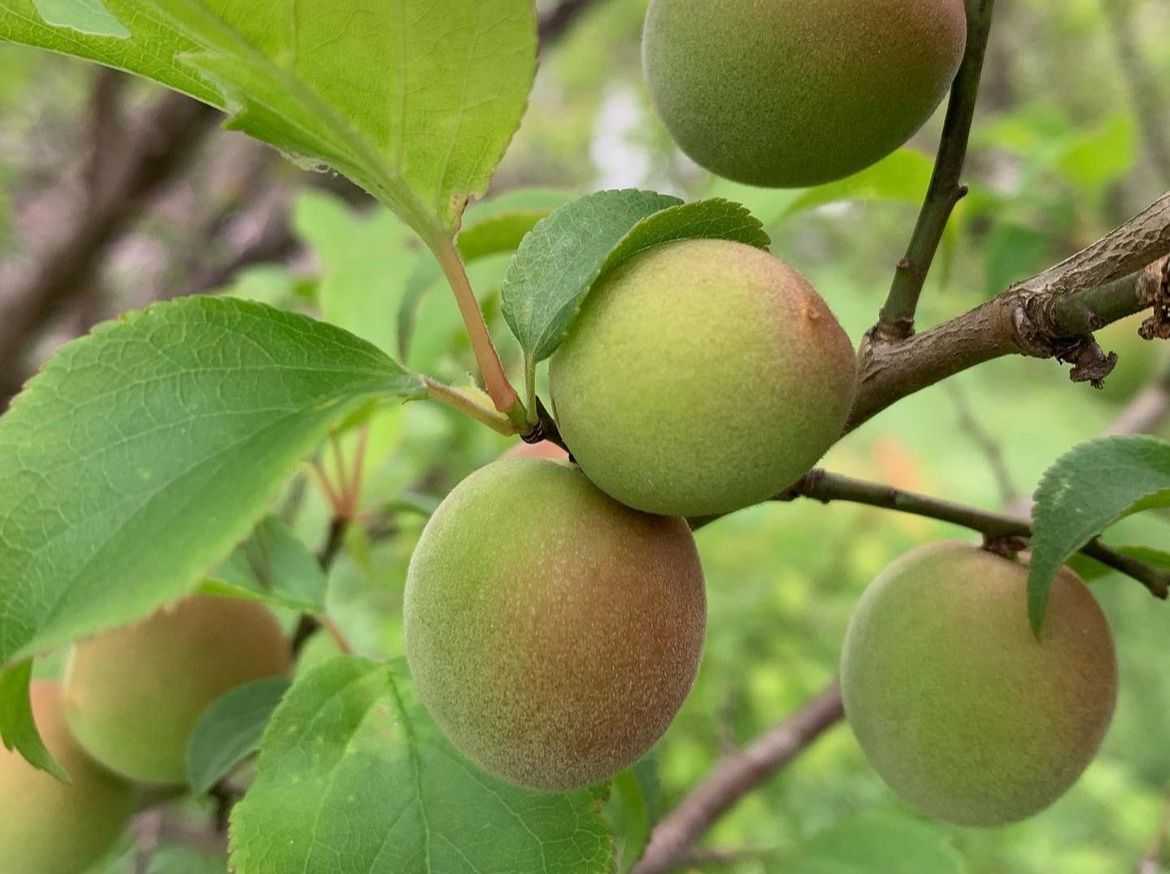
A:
[551,632]
[957,704]
[793,93]
[50,827]
[700,377]
[133,695]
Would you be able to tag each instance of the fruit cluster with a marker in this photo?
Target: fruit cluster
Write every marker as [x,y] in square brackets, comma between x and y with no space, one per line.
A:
[555,609]
[120,721]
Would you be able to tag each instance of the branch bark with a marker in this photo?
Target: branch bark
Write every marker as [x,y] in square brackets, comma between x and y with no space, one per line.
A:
[556,23]
[896,321]
[820,485]
[148,155]
[1044,317]
[735,777]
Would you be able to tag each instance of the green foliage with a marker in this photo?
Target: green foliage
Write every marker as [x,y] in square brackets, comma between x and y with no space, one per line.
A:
[17,722]
[230,730]
[391,113]
[352,762]
[632,811]
[580,243]
[195,409]
[877,842]
[956,704]
[1083,493]
[272,565]
[553,633]
[492,227]
[559,261]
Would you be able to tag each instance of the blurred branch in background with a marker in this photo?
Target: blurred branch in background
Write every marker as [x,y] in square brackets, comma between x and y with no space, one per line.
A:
[131,163]
[555,23]
[734,777]
[970,425]
[1148,411]
[1149,105]
[1155,854]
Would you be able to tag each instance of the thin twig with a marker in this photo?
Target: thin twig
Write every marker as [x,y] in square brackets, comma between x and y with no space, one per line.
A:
[897,315]
[734,777]
[1152,858]
[309,623]
[1148,411]
[820,485]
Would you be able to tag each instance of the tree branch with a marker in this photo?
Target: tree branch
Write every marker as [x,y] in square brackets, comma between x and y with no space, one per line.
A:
[556,23]
[1044,317]
[735,777]
[149,153]
[826,487]
[897,316]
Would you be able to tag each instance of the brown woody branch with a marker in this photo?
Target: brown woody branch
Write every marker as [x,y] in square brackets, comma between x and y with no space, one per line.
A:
[736,776]
[896,321]
[1142,81]
[820,485]
[1044,317]
[556,23]
[148,154]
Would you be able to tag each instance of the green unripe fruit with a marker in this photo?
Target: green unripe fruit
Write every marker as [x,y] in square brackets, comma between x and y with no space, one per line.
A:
[50,827]
[955,702]
[790,93]
[551,632]
[134,695]
[701,377]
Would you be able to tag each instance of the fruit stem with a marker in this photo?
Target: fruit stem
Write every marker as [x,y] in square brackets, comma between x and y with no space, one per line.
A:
[530,388]
[896,321]
[467,403]
[505,398]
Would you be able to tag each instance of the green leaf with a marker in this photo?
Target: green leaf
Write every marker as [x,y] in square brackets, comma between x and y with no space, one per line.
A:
[272,565]
[500,223]
[17,725]
[904,176]
[85,16]
[413,100]
[632,811]
[1083,493]
[1095,158]
[365,259]
[489,228]
[144,453]
[230,730]
[354,776]
[874,842]
[567,253]
[184,860]
[558,262]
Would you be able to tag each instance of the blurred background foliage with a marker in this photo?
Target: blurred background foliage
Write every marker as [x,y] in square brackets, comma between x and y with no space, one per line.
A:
[1065,147]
